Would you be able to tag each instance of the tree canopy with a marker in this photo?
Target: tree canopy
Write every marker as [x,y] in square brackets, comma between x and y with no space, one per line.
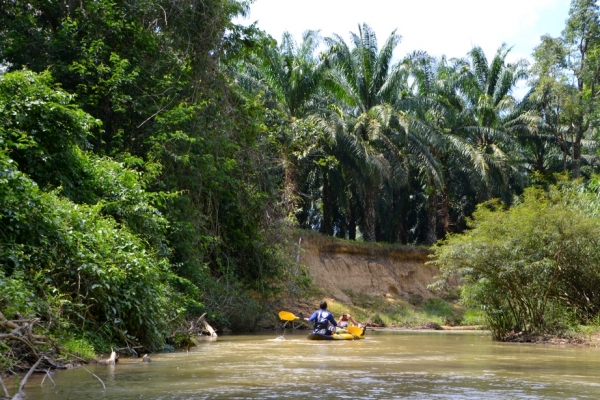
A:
[156,158]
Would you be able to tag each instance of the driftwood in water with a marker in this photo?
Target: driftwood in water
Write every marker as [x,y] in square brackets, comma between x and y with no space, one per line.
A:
[186,334]
[20,395]
[4,388]
[49,377]
[207,328]
[91,373]
[112,360]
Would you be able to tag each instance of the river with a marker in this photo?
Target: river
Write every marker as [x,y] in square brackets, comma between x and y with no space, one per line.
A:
[386,365]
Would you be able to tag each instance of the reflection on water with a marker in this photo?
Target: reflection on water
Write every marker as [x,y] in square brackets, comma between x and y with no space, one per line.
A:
[386,365]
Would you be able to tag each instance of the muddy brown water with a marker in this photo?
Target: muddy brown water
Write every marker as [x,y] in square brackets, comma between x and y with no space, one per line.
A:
[386,365]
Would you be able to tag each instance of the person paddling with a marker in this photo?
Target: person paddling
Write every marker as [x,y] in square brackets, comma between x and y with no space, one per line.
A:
[322,318]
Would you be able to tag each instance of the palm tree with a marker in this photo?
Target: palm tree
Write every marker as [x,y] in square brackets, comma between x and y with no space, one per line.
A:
[473,123]
[290,75]
[492,124]
[363,80]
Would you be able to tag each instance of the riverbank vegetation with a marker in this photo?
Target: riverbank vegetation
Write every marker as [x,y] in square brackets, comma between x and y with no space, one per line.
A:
[155,156]
[533,267]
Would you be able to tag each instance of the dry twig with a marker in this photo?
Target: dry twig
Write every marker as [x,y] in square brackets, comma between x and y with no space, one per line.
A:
[48,375]
[103,385]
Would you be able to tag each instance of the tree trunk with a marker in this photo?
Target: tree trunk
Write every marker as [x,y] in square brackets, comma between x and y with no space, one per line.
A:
[443,223]
[369,216]
[327,198]
[290,193]
[431,236]
[398,210]
[576,170]
[351,220]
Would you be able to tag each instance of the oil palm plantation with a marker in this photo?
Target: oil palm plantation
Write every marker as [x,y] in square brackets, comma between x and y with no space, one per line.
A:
[474,124]
[365,83]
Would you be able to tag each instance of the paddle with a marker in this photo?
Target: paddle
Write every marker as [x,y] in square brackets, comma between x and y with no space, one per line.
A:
[287,316]
[355,330]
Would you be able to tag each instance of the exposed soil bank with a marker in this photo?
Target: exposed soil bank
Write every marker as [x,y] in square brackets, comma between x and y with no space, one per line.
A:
[338,267]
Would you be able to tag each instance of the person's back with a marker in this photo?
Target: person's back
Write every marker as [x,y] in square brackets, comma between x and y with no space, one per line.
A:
[322,318]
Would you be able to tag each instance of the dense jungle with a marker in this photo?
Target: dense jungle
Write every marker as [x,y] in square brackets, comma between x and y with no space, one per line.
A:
[158,162]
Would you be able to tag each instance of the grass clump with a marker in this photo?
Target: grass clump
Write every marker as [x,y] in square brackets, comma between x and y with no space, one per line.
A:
[79,347]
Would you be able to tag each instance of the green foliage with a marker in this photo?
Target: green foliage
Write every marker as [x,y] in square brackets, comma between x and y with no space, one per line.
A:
[140,182]
[74,264]
[531,266]
[7,360]
[42,128]
[97,270]
[232,304]
[78,347]
[16,299]
[438,307]
[473,317]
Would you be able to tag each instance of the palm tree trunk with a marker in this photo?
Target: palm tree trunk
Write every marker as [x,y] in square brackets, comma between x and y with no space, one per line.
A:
[431,236]
[369,216]
[327,217]
[351,221]
[398,210]
[444,214]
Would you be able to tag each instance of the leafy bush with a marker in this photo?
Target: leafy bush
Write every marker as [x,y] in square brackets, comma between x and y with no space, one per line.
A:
[438,307]
[15,296]
[230,304]
[86,270]
[532,265]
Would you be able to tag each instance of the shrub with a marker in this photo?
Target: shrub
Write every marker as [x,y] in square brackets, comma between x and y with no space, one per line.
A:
[526,265]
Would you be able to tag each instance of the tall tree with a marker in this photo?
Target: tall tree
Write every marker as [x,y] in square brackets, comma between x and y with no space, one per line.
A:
[465,108]
[568,78]
[291,74]
[490,125]
[363,80]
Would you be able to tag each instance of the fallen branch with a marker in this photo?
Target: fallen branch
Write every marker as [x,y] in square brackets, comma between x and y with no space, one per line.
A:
[52,364]
[47,375]
[19,393]
[23,340]
[103,385]
[74,356]
[6,323]
[207,327]
[4,388]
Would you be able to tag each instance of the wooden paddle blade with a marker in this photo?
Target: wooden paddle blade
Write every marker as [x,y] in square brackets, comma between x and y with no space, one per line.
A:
[287,316]
[355,330]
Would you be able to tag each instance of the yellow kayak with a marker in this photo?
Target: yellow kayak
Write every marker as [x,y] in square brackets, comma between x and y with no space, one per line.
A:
[337,336]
